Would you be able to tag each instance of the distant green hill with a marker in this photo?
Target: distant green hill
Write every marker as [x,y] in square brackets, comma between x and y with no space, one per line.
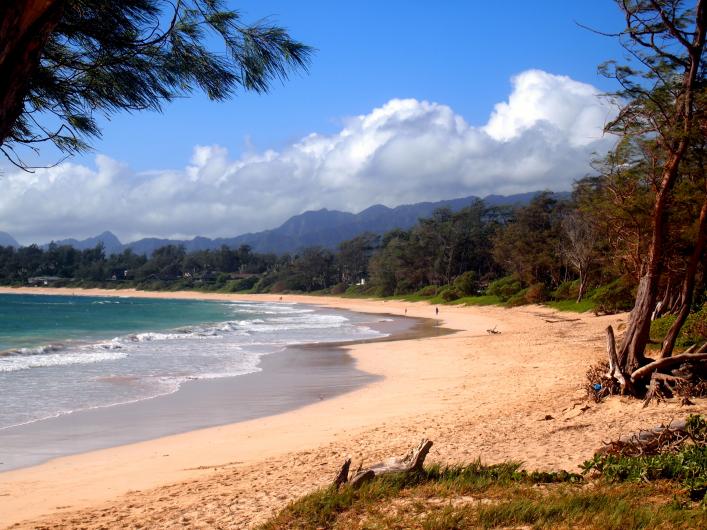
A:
[325,228]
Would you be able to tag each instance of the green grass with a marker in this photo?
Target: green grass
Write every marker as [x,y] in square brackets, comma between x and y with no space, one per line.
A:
[487,299]
[587,304]
[477,496]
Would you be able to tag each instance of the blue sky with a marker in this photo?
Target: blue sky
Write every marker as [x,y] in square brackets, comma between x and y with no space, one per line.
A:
[404,101]
[459,53]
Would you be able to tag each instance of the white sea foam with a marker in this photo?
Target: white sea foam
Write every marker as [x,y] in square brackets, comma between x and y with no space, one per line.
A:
[145,365]
[13,363]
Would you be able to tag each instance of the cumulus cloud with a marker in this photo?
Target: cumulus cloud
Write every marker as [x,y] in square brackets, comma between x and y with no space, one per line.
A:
[405,151]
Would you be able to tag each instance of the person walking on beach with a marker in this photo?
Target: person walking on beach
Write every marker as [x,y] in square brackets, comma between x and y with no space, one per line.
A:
[436,310]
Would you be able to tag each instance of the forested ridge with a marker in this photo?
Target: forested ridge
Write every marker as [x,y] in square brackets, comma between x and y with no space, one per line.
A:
[580,253]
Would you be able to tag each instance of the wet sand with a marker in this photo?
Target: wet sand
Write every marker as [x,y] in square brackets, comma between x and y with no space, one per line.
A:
[297,376]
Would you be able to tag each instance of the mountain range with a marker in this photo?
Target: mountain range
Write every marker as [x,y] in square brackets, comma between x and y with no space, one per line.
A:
[6,240]
[326,228]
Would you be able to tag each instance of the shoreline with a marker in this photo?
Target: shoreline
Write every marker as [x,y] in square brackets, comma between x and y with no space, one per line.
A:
[296,376]
[474,394]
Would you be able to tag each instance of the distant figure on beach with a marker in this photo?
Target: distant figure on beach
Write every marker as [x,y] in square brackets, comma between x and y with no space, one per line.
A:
[406,311]
[436,310]
[281,299]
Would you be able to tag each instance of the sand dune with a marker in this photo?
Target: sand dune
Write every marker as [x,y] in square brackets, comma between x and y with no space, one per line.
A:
[476,395]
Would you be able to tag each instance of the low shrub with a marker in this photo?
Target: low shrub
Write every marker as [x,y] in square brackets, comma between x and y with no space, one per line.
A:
[428,290]
[505,288]
[568,290]
[244,284]
[693,331]
[536,293]
[466,284]
[696,325]
[614,297]
[517,299]
[278,287]
[684,462]
[449,294]
[339,288]
[356,290]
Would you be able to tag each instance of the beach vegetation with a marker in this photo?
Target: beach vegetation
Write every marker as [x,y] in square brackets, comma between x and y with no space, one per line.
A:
[660,156]
[614,297]
[661,485]
[66,61]
[495,496]
[467,283]
[694,331]
[505,288]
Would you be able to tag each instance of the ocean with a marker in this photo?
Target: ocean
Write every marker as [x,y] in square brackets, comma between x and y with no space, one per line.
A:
[63,354]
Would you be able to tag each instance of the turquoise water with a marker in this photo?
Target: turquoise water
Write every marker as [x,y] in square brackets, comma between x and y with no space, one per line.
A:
[28,321]
[61,354]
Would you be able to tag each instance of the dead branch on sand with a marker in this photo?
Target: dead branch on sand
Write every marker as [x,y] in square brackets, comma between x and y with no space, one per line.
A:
[412,461]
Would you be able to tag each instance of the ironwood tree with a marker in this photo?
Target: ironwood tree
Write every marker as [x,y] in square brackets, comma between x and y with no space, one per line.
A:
[64,61]
[664,93]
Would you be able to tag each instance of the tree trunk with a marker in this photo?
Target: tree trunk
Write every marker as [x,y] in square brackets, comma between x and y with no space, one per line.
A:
[688,285]
[582,285]
[25,27]
[631,354]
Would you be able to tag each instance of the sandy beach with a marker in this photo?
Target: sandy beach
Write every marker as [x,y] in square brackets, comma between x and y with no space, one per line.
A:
[514,395]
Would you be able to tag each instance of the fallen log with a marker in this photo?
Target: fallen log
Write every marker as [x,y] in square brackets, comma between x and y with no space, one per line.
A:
[412,461]
[650,441]
[660,364]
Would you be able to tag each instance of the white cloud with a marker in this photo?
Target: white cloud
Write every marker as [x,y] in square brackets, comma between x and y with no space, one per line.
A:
[543,136]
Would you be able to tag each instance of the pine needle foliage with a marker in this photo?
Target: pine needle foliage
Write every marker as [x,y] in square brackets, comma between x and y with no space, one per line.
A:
[106,56]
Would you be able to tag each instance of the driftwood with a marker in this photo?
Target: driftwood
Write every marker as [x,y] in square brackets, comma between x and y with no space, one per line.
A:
[651,441]
[412,461]
[562,320]
[493,331]
[343,475]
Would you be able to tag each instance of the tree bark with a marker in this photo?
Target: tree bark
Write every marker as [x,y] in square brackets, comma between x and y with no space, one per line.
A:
[615,369]
[582,285]
[688,285]
[631,354]
[647,370]
[25,27]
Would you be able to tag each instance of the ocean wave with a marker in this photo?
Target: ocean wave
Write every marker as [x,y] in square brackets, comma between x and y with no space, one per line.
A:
[84,356]
[284,325]
[36,350]
[195,333]
[269,309]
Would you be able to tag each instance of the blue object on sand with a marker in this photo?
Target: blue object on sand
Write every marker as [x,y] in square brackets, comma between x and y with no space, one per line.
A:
[597,387]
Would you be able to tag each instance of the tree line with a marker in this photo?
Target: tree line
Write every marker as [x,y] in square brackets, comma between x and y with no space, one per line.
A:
[589,245]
